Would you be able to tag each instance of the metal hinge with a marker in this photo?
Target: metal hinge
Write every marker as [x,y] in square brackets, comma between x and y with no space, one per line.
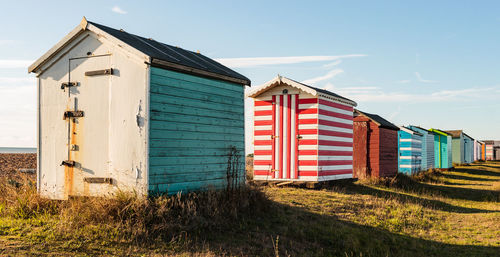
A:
[99,72]
[273,137]
[68,163]
[95,180]
[299,137]
[64,85]
[73,114]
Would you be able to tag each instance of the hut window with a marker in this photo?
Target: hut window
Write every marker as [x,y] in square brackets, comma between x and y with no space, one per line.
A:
[285,91]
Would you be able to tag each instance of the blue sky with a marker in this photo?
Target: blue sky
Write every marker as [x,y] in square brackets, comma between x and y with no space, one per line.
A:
[428,63]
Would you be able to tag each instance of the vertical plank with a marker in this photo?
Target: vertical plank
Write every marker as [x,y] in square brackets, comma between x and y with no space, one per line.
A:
[360,149]
[281,137]
[273,143]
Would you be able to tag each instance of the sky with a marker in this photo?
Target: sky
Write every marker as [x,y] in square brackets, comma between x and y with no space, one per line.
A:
[429,63]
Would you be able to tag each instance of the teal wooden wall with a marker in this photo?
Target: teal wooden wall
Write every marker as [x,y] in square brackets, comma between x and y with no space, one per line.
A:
[193,123]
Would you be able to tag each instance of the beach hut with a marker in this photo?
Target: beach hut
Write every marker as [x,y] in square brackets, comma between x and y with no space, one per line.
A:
[483,151]
[409,150]
[477,150]
[427,147]
[459,146]
[468,149]
[375,150]
[301,133]
[442,149]
[117,111]
[489,147]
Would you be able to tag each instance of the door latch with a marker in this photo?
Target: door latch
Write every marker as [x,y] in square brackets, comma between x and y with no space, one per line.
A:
[299,137]
[73,114]
[64,85]
[68,163]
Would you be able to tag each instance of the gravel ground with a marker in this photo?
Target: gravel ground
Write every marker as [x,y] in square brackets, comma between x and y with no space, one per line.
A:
[11,163]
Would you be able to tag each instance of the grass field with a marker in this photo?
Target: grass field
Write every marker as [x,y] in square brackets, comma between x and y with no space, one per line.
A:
[451,213]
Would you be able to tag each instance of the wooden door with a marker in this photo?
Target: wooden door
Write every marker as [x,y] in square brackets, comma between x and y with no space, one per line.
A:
[285,136]
[360,149]
[88,127]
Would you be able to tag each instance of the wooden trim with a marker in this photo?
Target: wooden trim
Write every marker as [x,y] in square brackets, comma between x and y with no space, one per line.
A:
[281,136]
[55,49]
[289,138]
[273,147]
[296,172]
[193,71]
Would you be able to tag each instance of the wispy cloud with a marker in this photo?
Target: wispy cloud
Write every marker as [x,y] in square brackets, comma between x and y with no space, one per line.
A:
[335,63]
[404,81]
[118,9]
[329,75]
[419,78]
[262,61]
[395,113]
[375,94]
[14,64]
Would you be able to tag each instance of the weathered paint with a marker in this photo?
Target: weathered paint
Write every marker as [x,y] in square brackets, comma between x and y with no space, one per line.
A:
[316,143]
[116,145]
[428,161]
[193,123]
[109,142]
[375,151]
[409,151]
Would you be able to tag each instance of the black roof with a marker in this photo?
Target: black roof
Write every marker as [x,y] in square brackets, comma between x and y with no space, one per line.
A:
[383,122]
[326,92]
[171,54]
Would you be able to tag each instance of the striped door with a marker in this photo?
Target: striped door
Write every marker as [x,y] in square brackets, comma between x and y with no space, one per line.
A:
[275,137]
[284,139]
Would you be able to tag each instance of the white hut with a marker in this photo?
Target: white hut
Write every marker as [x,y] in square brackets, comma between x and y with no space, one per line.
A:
[118,111]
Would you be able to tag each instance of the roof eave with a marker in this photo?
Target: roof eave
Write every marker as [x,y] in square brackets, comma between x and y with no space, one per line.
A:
[277,81]
[61,44]
[181,68]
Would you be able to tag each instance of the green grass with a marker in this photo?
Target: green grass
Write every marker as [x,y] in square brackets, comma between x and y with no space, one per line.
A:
[448,213]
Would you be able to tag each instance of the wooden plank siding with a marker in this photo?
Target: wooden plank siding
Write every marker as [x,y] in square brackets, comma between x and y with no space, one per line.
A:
[427,147]
[335,144]
[379,144]
[193,123]
[410,152]
[388,144]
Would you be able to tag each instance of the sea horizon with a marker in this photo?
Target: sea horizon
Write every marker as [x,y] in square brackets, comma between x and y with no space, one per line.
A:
[17,149]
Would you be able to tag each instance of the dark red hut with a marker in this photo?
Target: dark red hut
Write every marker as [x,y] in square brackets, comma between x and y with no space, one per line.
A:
[375,146]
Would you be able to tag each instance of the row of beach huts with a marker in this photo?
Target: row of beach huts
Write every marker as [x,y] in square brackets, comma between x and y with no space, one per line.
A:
[302,133]
[117,111]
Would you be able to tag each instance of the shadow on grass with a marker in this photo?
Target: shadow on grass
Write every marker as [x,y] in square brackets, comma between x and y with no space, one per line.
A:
[479,171]
[299,232]
[460,177]
[465,184]
[401,197]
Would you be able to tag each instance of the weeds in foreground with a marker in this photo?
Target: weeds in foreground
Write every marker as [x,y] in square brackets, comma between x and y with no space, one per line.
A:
[128,218]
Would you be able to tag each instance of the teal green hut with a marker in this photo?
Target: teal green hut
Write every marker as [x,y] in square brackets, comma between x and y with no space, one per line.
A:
[442,149]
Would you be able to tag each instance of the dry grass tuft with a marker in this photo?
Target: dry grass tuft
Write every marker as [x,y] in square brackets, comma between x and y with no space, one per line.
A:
[129,218]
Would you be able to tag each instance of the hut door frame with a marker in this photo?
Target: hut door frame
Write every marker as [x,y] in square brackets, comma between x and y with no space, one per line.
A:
[80,170]
[285,136]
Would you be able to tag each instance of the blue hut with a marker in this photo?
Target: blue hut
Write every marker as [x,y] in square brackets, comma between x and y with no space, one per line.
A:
[409,150]
[469,149]
[427,147]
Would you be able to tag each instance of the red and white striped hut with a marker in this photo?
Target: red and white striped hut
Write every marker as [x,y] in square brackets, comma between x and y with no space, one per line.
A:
[301,133]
